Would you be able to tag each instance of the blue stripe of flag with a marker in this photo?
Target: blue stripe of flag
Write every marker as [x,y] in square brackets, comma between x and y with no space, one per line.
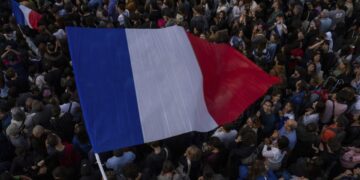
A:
[106,87]
[19,15]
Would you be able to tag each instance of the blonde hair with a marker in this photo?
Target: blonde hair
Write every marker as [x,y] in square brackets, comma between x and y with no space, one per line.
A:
[193,153]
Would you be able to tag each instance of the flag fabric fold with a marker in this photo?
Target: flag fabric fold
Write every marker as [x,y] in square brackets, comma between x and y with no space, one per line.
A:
[142,85]
[24,15]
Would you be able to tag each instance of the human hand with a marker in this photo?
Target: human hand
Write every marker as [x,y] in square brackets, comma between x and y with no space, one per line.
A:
[8,48]
[267,141]
[356,171]
[42,170]
[258,114]
[275,134]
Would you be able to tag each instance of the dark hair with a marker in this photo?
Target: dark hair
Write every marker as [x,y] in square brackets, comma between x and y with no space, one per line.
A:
[302,85]
[227,127]
[268,102]
[86,168]
[66,97]
[81,134]
[10,73]
[341,96]
[275,93]
[52,140]
[55,111]
[168,166]
[312,127]
[155,144]
[130,171]
[283,143]
[118,152]
[320,107]
[249,138]
[37,105]
[257,169]
[342,121]
[60,173]
[208,172]
[215,142]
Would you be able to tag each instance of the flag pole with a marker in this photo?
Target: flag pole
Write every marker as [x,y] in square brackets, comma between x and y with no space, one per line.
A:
[20,29]
[100,166]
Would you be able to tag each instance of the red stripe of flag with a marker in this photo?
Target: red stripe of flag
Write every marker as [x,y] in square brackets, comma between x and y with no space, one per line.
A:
[34,19]
[231,81]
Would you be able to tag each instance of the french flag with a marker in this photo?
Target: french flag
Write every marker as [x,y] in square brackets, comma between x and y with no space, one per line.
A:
[24,15]
[142,85]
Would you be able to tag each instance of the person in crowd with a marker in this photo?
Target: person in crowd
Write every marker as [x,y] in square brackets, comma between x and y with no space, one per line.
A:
[119,159]
[154,161]
[225,134]
[289,131]
[275,152]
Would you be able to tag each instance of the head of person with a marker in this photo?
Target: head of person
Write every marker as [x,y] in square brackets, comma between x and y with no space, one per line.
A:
[81,134]
[311,127]
[52,140]
[251,121]
[118,153]
[155,144]
[289,107]
[266,106]
[257,169]
[227,127]
[37,106]
[131,172]
[193,153]
[300,85]
[290,125]
[324,13]
[280,18]
[275,96]
[38,131]
[168,167]
[311,68]
[10,74]
[18,114]
[283,143]
[60,173]
[55,111]
[249,138]
[215,143]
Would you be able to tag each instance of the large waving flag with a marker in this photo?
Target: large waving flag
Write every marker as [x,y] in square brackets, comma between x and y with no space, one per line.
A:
[142,85]
[24,15]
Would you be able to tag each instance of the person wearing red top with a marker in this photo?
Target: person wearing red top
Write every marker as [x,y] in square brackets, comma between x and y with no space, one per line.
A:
[65,153]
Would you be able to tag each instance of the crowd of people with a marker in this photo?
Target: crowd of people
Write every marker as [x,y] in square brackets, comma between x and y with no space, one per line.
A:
[307,127]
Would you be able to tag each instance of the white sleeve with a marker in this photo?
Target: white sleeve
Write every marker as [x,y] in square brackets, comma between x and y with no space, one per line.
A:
[268,153]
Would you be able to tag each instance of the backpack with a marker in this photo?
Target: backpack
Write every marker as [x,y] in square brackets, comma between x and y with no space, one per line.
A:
[336,134]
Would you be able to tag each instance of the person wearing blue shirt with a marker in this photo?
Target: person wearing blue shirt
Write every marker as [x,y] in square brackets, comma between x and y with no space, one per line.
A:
[257,171]
[289,131]
[119,159]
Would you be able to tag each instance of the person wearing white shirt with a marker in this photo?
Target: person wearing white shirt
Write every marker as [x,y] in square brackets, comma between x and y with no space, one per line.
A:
[275,153]
[73,109]
[225,134]
[312,115]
